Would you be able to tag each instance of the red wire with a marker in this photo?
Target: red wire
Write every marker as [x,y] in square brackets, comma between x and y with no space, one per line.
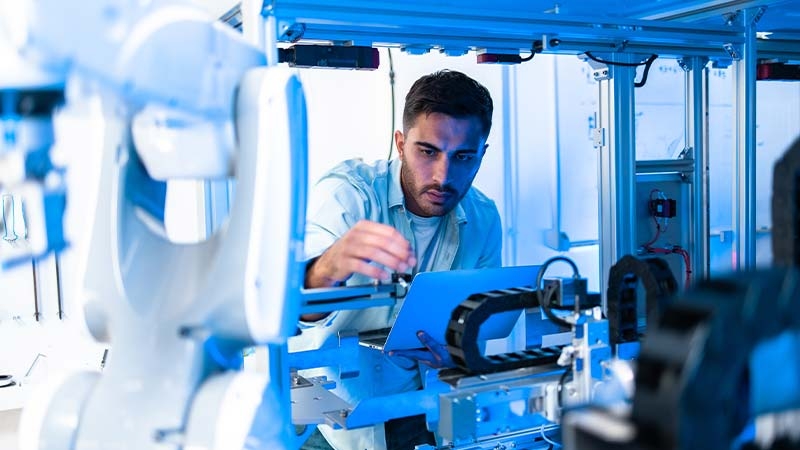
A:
[679,251]
[686,261]
[655,237]
[655,221]
[675,249]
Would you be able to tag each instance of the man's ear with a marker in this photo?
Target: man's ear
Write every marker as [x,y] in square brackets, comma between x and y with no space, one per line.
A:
[399,141]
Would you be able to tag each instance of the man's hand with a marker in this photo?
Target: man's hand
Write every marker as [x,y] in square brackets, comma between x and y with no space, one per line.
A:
[434,355]
[365,243]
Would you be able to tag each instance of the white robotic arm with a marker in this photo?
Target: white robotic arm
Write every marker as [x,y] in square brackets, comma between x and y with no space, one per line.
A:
[184,97]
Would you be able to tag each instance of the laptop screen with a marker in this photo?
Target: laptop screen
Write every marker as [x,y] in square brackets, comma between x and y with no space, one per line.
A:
[433,296]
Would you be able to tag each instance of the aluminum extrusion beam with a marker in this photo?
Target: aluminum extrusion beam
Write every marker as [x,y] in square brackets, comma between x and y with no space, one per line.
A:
[684,166]
[617,168]
[320,300]
[697,139]
[470,25]
[692,11]
[744,225]
[786,49]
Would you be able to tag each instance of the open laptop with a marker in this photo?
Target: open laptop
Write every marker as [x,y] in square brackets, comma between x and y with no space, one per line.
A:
[432,297]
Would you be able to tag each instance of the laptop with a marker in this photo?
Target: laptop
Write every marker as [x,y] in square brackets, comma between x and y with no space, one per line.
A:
[432,297]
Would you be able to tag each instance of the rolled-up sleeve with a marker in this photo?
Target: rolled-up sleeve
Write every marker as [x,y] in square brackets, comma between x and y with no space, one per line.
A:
[491,255]
[334,207]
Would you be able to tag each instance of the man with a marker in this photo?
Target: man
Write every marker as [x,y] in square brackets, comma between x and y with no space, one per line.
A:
[417,213]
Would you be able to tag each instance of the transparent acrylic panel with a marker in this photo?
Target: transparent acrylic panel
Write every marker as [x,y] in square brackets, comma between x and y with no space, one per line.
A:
[777,125]
[660,112]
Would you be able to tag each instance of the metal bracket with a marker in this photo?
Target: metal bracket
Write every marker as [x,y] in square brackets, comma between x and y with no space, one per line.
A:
[416,49]
[734,17]
[599,137]
[758,15]
[733,50]
[731,18]
[600,71]
[293,32]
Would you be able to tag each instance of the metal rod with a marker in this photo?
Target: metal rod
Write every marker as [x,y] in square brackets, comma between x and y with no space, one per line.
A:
[269,34]
[35,269]
[329,294]
[411,19]
[103,360]
[33,364]
[617,168]
[279,378]
[9,219]
[59,293]
[696,138]
[662,166]
[510,151]
[557,156]
[694,11]
[745,156]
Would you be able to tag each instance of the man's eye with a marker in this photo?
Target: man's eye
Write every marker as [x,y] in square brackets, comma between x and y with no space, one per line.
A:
[427,152]
[465,156]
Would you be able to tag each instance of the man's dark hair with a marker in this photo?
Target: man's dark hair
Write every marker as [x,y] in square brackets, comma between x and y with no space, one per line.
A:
[448,92]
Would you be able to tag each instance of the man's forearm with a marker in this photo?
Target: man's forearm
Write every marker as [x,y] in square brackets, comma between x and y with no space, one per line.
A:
[313,280]
[314,317]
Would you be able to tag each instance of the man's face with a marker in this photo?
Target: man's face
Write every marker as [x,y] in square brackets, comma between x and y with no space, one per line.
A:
[441,156]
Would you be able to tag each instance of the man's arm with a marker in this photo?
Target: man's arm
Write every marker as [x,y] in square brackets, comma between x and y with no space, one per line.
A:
[365,243]
[492,254]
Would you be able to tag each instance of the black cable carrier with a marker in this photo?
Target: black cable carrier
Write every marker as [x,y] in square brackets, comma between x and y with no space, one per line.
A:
[659,285]
[693,378]
[786,208]
[466,320]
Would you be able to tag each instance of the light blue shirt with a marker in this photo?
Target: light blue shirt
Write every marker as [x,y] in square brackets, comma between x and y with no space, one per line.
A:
[469,237]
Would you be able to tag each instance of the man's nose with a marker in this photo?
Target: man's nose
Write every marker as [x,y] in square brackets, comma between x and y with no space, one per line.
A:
[441,170]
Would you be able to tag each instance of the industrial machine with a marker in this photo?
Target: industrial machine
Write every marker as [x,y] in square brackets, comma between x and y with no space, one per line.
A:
[487,401]
[701,385]
[187,97]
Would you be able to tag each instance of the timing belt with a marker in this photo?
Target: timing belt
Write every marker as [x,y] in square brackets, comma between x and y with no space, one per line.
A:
[466,320]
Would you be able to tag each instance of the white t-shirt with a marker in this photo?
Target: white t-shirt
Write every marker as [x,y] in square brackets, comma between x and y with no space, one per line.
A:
[425,230]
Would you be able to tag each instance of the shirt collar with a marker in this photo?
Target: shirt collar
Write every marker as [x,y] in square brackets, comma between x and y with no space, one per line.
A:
[397,199]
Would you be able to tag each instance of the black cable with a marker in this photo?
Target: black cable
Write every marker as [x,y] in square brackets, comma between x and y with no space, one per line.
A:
[536,47]
[544,303]
[647,65]
[561,381]
[615,63]
[391,86]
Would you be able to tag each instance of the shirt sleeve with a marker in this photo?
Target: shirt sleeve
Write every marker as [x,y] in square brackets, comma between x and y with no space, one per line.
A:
[334,207]
[491,256]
